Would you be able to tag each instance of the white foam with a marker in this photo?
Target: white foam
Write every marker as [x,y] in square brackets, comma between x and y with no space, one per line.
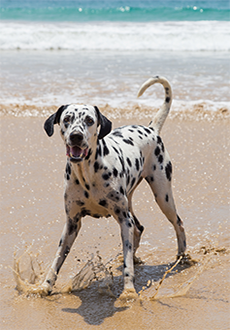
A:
[159,36]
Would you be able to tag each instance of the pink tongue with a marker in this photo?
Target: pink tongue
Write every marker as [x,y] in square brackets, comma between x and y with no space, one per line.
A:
[75,151]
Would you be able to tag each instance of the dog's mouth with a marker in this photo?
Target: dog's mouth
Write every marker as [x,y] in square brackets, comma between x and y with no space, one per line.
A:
[76,154]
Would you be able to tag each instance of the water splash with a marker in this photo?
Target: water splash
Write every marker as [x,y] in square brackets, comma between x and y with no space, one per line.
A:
[29,275]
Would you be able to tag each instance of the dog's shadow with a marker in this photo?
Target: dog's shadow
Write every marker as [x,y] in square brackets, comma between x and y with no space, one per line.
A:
[97,306]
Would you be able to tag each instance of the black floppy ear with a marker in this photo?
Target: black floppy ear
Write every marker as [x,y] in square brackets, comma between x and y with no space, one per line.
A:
[105,123]
[52,120]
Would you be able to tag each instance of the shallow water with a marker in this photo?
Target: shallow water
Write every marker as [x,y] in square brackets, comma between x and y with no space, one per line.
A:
[41,79]
[33,215]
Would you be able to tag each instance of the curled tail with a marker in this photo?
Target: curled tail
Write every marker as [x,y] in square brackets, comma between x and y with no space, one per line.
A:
[159,119]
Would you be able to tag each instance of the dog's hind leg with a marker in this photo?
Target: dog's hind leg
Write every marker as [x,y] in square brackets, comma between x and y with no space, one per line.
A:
[162,191]
[138,228]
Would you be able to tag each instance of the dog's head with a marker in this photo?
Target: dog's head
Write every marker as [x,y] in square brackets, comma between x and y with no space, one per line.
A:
[78,125]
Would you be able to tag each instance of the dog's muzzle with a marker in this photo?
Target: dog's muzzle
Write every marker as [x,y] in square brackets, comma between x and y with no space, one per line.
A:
[76,154]
[73,149]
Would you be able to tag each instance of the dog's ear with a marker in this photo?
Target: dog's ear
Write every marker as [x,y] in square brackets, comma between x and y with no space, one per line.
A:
[52,120]
[105,124]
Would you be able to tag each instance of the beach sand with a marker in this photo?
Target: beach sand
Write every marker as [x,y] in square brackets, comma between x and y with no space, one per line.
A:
[32,214]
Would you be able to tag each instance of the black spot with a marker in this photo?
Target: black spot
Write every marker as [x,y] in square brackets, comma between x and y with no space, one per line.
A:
[87,186]
[137,223]
[123,166]
[157,151]
[117,210]
[159,139]
[60,243]
[128,245]
[128,224]
[117,133]
[133,181]
[105,148]
[129,161]
[128,180]
[96,167]
[98,151]
[128,142]
[77,181]
[86,194]
[154,167]
[115,172]
[166,198]
[105,176]
[89,154]
[116,150]
[160,159]
[122,191]
[137,164]
[124,214]
[168,171]
[147,130]
[103,202]
[167,100]
[131,130]
[68,171]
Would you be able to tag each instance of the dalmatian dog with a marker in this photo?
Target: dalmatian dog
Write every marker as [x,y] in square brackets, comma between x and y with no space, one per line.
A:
[104,168]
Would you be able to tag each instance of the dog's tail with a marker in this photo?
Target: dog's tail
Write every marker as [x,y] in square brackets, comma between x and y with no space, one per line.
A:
[159,119]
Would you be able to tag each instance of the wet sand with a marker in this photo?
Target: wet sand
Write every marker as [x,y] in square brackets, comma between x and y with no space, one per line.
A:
[32,214]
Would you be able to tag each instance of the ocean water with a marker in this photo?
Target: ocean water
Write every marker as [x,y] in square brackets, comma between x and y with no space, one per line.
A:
[115,10]
[60,51]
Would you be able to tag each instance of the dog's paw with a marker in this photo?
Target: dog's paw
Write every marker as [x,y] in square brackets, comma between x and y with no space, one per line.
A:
[45,289]
[128,295]
[186,260]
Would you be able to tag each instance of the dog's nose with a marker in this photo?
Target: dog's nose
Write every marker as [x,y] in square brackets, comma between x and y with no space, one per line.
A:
[76,138]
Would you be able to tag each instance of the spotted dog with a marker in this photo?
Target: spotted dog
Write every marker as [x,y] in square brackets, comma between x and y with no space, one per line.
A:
[104,168]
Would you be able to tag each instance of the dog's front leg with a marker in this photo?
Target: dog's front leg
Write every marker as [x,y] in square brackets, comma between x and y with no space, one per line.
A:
[127,234]
[69,234]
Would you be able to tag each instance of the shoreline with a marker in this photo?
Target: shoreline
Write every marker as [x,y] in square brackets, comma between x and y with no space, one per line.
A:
[134,112]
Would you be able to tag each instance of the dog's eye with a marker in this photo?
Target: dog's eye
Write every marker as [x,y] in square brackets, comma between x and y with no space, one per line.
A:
[89,121]
[67,119]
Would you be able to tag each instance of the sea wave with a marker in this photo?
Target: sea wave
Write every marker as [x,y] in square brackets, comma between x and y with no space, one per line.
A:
[155,36]
[114,12]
